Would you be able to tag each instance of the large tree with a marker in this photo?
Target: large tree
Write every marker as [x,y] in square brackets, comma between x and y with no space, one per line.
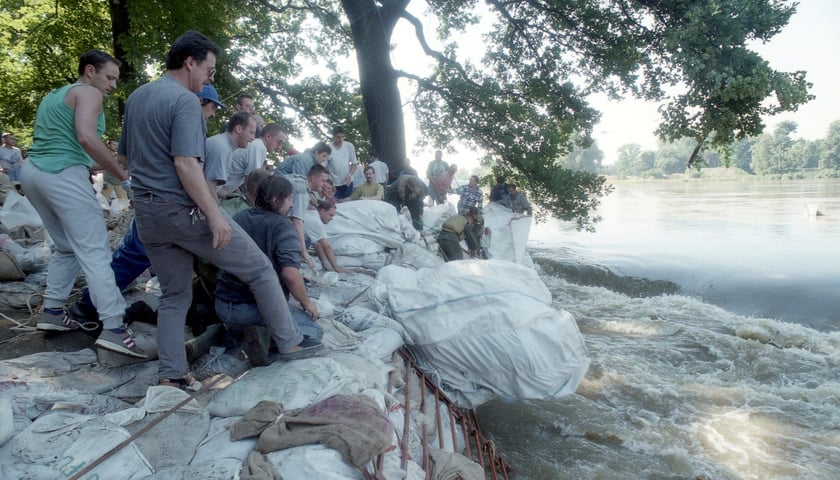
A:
[521,102]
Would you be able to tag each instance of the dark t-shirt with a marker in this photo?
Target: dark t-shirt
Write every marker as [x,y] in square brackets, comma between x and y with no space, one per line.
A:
[498,192]
[276,237]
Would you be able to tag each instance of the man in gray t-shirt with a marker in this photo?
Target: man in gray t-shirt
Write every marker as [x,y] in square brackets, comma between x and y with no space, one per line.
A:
[219,148]
[177,215]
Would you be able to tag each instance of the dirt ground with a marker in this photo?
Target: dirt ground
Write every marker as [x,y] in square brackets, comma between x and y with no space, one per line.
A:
[19,341]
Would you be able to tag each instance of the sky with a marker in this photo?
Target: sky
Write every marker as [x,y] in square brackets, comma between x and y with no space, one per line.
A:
[807,43]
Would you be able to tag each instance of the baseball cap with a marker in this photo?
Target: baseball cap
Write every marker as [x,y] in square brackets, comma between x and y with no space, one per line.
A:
[210,93]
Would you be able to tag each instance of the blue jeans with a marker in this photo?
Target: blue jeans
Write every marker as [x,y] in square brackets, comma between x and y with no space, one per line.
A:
[128,262]
[237,316]
[343,191]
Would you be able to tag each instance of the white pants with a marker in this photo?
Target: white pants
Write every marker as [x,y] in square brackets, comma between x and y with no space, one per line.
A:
[67,205]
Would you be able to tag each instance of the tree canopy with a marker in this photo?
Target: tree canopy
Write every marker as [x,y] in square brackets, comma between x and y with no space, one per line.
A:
[523,102]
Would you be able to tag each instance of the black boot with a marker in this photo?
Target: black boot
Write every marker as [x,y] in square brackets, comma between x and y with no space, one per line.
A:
[256,342]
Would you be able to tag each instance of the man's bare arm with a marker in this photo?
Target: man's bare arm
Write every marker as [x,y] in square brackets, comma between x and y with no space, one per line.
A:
[298,224]
[328,252]
[293,281]
[86,101]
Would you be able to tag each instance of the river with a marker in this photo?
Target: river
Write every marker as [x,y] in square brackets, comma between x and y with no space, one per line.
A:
[711,312]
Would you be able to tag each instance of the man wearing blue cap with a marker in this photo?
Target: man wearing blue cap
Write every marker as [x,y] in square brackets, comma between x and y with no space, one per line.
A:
[210,102]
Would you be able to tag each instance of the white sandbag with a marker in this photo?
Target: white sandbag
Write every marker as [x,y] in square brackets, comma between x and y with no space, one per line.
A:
[354,245]
[486,329]
[219,361]
[399,291]
[379,343]
[372,369]
[349,262]
[338,337]
[173,442]
[119,205]
[218,445]
[376,221]
[416,256]
[18,213]
[79,402]
[509,232]
[7,420]
[28,472]
[214,469]
[372,261]
[313,461]
[293,384]
[433,217]
[360,318]
[103,202]
[67,442]
[35,258]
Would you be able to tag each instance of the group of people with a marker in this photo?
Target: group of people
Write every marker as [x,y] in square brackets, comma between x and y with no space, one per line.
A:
[196,197]
[175,174]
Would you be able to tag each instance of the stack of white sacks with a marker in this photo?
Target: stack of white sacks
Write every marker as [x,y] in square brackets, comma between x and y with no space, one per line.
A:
[486,329]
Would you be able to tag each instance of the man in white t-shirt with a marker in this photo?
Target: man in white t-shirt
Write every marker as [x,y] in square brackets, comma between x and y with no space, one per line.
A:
[11,158]
[342,163]
[380,168]
[313,225]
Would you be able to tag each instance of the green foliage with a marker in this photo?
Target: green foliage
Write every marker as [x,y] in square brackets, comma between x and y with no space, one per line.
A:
[520,106]
[523,103]
[672,157]
[778,153]
[830,148]
[741,152]
[41,43]
[586,159]
[727,84]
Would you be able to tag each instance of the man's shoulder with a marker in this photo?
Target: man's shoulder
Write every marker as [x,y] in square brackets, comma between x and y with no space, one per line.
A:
[218,139]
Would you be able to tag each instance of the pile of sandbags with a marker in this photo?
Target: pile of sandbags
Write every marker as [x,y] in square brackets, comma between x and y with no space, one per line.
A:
[486,329]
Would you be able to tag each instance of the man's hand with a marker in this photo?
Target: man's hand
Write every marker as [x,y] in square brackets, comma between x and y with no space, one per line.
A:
[308,260]
[312,310]
[221,231]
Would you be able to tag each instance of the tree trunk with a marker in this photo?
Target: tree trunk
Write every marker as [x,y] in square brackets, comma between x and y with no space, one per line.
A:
[119,29]
[372,25]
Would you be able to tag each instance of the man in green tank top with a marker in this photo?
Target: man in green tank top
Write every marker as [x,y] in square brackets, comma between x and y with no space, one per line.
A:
[67,143]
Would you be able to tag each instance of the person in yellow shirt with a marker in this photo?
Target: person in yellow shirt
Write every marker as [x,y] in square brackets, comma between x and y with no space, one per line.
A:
[370,190]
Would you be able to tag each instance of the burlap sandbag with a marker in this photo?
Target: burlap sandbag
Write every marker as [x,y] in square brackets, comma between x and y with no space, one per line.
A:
[9,267]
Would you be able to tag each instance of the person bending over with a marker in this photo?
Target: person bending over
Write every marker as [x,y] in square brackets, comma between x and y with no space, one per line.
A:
[317,234]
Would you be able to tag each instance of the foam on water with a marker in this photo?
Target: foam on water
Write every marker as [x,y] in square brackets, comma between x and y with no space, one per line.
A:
[679,388]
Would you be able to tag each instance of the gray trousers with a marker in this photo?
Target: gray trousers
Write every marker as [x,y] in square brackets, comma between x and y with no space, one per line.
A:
[67,205]
[172,238]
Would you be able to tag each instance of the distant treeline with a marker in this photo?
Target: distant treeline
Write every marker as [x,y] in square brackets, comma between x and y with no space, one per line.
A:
[775,154]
